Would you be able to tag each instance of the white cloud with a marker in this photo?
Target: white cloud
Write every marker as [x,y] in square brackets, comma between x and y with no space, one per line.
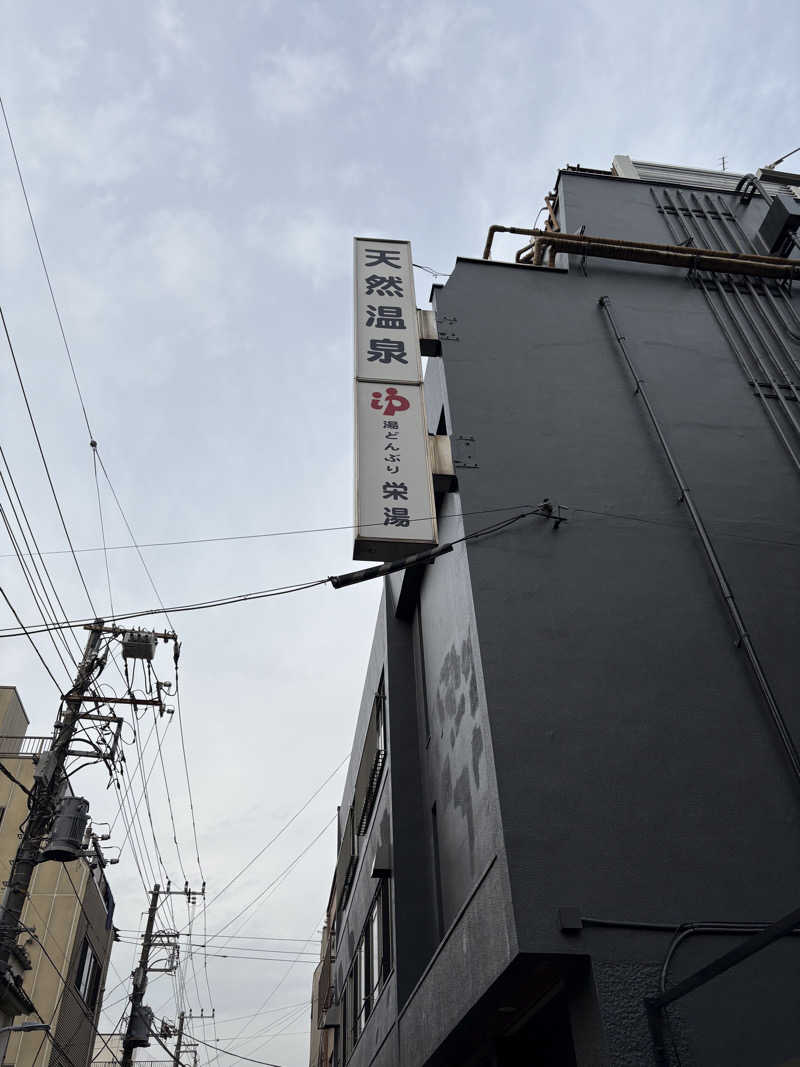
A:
[201,149]
[104,147]
[189,256]
[311,242]
[172,39]
[294,83]
[418,45]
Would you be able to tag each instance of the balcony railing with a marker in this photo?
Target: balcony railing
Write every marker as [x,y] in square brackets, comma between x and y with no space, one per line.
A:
[24,746]
[346,862]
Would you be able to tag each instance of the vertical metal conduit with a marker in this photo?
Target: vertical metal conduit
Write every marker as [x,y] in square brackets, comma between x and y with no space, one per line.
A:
[756,368]
[745,244]
[790,384]
[686,497]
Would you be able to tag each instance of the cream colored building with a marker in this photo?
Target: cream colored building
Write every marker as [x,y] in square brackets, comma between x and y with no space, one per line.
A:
[69,915]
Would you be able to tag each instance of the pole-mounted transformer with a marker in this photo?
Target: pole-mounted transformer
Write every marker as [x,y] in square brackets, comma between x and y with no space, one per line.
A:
[139,1028]
[68,831]
[139,644]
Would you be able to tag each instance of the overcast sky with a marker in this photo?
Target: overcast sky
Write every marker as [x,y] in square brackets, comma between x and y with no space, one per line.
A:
[197,172]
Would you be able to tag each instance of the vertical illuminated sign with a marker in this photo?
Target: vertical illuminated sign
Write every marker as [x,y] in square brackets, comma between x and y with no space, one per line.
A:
[395,513]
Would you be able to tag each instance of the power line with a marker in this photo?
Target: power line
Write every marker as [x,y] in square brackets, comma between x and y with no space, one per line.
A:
[275,837]
[237,1055]
[44,461]
[35,593]
[279,877]
[93,443]
[19,505]
[231,937]
[28,635]
[44,266]
[300,586]
[239,598]
[102,526]
[263,535]
[271,994]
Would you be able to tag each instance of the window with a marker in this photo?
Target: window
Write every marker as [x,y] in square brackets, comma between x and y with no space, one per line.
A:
[363,998]
[369,971]
[87,979]
[375,949]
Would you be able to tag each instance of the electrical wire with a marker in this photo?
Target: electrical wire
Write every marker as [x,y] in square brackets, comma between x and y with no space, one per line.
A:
[102,527]
[273,991]
[46,619]
[280,833]
[301,586]
[26,632]
[265,535]
[36,560]
[226,1052]
[44,265]
[89,430]
[44,461]
[278,878]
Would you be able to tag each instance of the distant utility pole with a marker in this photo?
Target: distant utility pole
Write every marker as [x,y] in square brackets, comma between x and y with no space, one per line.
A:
[66,822]
[176,1056]
[723,160]
[140,1019]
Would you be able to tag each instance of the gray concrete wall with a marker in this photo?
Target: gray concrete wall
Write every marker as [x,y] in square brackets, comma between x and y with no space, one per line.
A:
[639,774]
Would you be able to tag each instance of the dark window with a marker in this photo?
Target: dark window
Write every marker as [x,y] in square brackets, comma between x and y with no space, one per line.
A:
[437,874]
[87,979]
[419,670]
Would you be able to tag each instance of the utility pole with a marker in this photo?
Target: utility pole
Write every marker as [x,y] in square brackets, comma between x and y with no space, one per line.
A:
[43,800]
[140,1019]
[176,1056]
[137,1034]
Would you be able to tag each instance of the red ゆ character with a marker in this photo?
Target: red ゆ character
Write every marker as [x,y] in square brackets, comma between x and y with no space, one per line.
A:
[393,403]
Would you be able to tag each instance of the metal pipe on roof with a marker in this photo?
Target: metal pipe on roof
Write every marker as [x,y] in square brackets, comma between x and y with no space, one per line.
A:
[756,183]
[715,260]
[647,252]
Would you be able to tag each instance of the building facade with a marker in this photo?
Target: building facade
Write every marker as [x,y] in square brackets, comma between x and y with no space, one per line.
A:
[574,780]
[69,914]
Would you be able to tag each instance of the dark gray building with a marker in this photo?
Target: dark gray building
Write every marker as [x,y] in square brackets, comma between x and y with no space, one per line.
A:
[574,779]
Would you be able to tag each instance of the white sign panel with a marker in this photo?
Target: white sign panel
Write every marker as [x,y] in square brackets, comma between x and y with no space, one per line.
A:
[395,510]
[387,339]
